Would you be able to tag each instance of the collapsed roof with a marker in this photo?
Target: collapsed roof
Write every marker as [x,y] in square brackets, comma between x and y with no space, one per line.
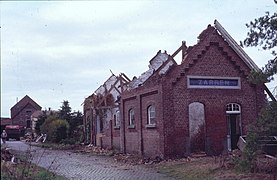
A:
[159,63]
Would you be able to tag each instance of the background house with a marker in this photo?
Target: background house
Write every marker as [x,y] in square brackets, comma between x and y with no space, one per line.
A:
[22,111]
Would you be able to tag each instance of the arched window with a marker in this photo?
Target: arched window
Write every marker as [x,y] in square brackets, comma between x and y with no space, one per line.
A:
[151,115]
[131,117]
[232,108]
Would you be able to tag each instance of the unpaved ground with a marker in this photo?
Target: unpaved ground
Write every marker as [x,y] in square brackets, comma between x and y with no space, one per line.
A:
[208,168]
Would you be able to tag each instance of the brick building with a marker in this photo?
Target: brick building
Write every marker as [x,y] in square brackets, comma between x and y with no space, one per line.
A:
[201,105]
[22,111]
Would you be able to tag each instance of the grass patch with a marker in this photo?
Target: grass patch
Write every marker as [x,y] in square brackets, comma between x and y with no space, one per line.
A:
[206,168]
[193,170]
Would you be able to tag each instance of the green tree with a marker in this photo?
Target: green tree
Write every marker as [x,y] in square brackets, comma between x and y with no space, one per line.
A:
[41,120]
[75,121]
[263,32]
[55,128]
[65,111]
[264,126]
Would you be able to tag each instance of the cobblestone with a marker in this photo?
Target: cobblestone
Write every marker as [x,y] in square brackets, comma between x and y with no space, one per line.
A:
[76,166]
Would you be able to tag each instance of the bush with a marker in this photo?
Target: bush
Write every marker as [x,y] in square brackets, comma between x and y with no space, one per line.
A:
[77,136]
[265,125]
[70,141]
[56,129]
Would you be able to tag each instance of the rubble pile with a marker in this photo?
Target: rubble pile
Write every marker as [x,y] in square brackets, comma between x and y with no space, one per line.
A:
[136,159]
[95,150]
[266,164]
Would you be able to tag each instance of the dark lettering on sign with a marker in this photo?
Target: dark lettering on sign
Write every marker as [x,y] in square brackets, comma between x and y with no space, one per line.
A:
[213,82]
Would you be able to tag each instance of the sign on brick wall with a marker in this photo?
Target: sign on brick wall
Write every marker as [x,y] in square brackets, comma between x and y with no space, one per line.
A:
[213,82]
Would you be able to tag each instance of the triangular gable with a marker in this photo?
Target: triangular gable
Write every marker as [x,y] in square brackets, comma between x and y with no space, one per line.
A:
[218,36]
[195,52]
[22,104]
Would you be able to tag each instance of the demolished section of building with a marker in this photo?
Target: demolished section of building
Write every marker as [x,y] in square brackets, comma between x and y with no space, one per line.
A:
[101,112]
[203,104]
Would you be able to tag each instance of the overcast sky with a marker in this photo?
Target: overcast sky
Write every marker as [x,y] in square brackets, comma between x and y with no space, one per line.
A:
[55,51]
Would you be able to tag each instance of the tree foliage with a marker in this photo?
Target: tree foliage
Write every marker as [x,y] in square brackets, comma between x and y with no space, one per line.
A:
[264,126]
[65,111]
[61,126]
[266,74]
[263,32]
[55,128]
[75,121]
[41,120]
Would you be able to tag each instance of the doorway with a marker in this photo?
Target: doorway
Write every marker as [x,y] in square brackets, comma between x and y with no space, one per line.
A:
[197,130]
[28,123]
[234,130]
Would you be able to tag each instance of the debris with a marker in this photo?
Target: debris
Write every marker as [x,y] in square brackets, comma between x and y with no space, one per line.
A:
[41,138]
[271,157]
[266,163]
[13,160]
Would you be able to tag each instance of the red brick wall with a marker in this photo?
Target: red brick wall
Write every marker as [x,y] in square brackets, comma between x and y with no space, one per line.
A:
[151,136]
[142,139]
[24,115]
[132,135]
[111,135]
[216,59]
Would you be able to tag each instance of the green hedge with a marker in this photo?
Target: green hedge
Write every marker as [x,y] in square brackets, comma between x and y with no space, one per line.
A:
[56,129]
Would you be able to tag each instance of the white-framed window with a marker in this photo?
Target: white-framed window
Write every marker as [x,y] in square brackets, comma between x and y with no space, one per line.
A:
[232,108]
[117,119]
[131,117]
[151,115]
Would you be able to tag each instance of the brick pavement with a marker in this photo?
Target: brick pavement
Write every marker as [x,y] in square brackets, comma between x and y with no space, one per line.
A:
[79,166]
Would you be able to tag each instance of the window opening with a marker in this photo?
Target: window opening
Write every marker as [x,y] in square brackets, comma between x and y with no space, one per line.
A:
[117,119]
[131,117]
[151,115]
